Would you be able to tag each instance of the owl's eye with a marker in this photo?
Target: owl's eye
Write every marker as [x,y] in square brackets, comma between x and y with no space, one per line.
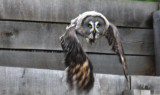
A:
[98,25]
[89,25]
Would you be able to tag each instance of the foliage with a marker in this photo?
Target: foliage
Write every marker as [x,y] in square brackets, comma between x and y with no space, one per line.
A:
[144,0]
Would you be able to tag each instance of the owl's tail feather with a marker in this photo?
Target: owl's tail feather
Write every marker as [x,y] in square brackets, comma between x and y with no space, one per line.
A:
[79,68]
[80,75]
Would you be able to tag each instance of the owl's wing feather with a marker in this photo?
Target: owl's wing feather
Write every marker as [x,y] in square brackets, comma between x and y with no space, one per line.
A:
[79,67]
[112,35]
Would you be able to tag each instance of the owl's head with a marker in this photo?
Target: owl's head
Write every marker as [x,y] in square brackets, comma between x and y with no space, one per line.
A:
[92,25]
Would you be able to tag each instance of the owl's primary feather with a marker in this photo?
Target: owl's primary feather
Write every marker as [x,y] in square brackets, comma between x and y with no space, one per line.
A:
[91,25]
[112,35]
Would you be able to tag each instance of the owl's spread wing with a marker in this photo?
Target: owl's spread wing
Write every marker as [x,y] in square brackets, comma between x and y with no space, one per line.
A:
[114,40]
[79,67]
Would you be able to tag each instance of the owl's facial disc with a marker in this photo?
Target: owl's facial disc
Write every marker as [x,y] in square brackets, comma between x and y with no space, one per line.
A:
[93,28]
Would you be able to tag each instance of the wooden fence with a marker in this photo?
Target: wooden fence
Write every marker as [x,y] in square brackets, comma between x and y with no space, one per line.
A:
[30,30]
[29,38]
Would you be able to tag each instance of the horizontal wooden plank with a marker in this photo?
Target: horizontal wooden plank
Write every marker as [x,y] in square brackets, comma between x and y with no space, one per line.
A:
[28,35]
[120,12]
[146,82]
[137,65]
[20,81]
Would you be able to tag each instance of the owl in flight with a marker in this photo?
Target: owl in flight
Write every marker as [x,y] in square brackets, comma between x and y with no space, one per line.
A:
[92,26]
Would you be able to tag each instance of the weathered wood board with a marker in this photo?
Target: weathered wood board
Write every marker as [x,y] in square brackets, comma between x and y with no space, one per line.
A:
[137,65]
[136,92]
[141,92]
[20,81]
[156,26]
[27,81]
[146,82]
[120,12]
[29,35]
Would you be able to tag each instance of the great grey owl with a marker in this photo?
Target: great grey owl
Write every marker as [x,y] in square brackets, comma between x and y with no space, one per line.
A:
[92,26]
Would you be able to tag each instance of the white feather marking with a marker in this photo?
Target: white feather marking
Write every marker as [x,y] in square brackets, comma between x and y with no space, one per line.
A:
[87,40]
[91,36]
[66,69]
[97,36]
[96,23]
[122,58]
[74,77]
[92,29]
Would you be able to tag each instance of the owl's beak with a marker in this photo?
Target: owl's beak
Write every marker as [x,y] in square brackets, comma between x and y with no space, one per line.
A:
[94,31]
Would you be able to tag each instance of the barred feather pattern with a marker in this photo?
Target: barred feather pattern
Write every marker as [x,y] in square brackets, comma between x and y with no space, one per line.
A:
[79,68]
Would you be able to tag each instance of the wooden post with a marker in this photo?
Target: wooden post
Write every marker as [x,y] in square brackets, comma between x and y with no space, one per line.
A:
[156,26]
[127,92]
